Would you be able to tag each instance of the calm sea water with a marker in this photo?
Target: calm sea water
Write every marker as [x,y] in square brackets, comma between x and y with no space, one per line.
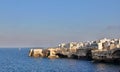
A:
[15,60]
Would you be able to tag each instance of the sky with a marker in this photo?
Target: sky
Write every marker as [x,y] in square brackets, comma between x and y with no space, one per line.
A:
[46,23]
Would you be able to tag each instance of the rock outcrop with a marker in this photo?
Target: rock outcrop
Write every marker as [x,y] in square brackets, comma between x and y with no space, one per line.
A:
[36,53]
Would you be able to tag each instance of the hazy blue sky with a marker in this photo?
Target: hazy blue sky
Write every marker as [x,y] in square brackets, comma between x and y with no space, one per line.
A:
[49,22]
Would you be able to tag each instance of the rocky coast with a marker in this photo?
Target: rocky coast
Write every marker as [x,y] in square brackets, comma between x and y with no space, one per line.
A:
[106,50]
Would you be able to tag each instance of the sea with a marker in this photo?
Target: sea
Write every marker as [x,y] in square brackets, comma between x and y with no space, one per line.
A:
[17,60]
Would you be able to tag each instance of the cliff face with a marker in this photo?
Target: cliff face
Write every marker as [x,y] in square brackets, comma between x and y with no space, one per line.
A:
[61,53]
[36,53]
[106,55]
[95,54]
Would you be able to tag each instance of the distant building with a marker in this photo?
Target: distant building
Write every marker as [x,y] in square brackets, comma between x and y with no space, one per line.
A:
[103,44]
[100,46]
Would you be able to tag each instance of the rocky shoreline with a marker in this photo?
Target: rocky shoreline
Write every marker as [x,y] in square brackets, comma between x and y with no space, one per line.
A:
[96,51]
[57,53]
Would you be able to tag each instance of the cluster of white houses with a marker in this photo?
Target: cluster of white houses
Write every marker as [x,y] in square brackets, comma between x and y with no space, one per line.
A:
[102,44]
[108,44]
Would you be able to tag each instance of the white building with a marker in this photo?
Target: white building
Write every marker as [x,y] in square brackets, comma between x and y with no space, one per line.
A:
[62,45]
[100,47]
[104,40]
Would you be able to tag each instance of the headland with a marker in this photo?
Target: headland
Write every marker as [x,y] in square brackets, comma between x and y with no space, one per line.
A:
[107,50]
